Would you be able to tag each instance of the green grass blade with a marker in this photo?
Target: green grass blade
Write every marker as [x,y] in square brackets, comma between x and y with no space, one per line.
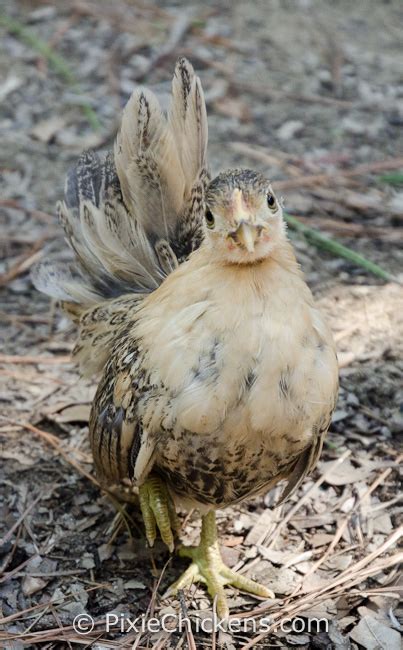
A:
[325,243]
[392,178]
[55,60]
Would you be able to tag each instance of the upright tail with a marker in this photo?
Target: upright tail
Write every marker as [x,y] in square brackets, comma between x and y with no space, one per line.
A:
[131,218]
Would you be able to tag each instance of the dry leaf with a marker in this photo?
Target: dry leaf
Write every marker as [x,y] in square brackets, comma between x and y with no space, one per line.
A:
[47,129]
[230,555]
[22,456]
[345,473]
[134,584]
[281,582]
[373,635]
[232,107]
[73,413]
[320,539]
[261,527]
[105,551]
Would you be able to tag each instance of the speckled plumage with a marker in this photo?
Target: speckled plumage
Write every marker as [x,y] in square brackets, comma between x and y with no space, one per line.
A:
[239,396]
[218,372]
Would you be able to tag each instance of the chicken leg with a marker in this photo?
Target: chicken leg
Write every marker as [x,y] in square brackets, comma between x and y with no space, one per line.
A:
[208,567]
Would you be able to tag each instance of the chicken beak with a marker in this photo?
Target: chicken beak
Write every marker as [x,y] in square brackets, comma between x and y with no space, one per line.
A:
[246,234]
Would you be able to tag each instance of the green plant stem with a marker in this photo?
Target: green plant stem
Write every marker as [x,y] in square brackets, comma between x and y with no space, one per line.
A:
[54,59]
[392,178]
[321,241]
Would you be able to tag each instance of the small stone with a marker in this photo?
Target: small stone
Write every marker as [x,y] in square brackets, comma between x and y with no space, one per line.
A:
[289,129]
[134,584]
[87,561]
[30,585]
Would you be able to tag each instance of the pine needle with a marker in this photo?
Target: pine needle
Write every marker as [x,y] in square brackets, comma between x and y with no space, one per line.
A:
[325,243]
[55,60]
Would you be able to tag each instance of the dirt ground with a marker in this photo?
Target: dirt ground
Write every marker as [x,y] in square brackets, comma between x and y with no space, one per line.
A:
[312,93]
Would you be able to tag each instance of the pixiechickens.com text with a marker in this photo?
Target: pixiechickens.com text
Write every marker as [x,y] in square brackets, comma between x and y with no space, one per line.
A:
[171,622]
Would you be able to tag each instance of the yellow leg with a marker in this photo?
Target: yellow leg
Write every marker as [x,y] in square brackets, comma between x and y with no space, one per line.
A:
[158,511]
[208,567]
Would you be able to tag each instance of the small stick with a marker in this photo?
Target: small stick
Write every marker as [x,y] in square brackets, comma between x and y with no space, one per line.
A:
[189,632]
[22,265]
[342,527]
[51,440]
[305,496]
[272,538]
[19,520]
[360,170]
[42,216]
[15,358]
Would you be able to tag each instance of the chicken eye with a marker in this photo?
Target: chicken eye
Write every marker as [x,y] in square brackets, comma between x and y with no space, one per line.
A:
[271,201]
[209,219]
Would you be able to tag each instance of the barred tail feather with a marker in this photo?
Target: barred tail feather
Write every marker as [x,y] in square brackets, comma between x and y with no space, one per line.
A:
[148,166]
[131,218]
[187,119]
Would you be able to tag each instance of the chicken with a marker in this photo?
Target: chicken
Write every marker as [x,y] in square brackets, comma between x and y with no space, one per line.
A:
[218,375]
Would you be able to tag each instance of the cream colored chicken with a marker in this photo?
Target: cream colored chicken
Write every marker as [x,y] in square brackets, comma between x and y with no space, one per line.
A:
[218,373]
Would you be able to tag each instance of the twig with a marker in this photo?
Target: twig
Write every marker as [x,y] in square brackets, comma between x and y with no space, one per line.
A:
[37,619]
[339,176]
[214,631]
[55,60]
[189,632]
[342,527]
[363,564]
[24,318]
[17,569]
[341,584]
[33,379]
[342,228]
[176,35]
[264,91]
[277,158]
[15,205]
[269,540]
[24,262]
[19,520]
[15,358]
[151,605]
[50,439]
[304,497]
[373,415]
[122,21]
[54,574]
